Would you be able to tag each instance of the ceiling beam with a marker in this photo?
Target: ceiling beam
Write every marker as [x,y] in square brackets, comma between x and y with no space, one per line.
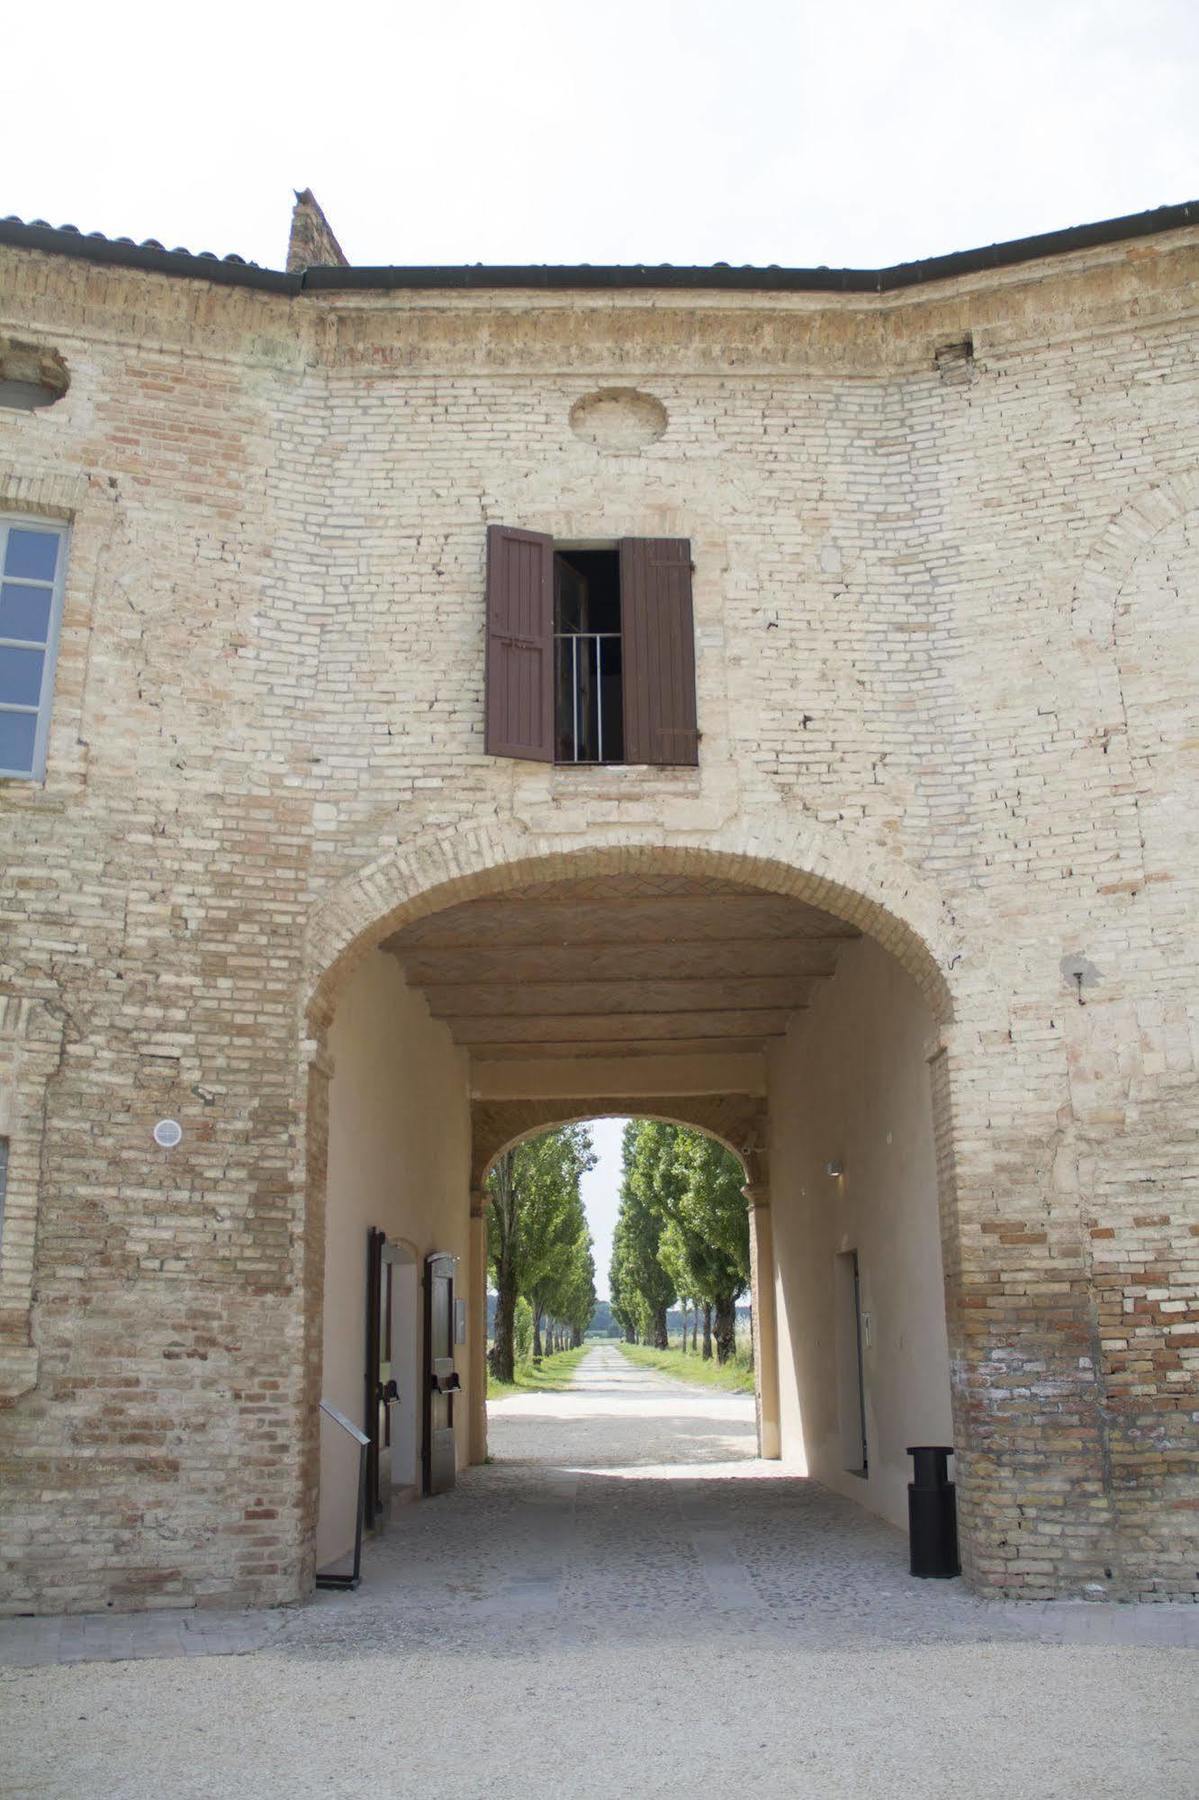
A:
[651,995]
[547,1051]
[612,920]
[544,1078]
[620,1028]
[619,959]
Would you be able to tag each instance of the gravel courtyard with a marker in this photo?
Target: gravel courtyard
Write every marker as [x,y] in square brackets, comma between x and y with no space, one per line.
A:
[624,1602]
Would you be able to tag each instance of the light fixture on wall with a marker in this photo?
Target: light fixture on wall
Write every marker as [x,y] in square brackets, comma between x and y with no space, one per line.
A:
[836,1168]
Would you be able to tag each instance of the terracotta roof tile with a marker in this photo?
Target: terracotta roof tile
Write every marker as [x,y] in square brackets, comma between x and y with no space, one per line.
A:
[146,243]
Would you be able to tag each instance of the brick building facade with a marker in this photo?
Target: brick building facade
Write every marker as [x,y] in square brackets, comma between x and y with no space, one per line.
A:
[944,531]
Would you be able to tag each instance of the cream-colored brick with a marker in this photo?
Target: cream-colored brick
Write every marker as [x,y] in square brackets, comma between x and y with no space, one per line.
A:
[946,647]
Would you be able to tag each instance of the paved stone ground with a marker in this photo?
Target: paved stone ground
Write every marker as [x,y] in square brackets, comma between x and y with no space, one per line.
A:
[625,1601]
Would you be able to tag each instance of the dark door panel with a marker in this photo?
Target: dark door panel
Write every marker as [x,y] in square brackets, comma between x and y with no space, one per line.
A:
[441,1378]
[382,1391]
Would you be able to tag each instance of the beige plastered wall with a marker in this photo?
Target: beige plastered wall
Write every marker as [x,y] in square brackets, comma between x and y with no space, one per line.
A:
[399,1160]
[849,1086]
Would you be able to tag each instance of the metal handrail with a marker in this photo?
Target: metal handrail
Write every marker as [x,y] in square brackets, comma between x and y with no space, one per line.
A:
[331,1578]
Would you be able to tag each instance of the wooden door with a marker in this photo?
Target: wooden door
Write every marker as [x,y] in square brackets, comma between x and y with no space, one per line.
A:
[438,1462]
[381,1388]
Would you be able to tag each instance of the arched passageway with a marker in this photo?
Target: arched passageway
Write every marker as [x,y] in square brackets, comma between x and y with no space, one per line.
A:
[680,988]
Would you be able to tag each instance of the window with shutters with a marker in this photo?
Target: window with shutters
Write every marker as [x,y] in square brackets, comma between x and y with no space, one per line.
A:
[590,650]
[32,555]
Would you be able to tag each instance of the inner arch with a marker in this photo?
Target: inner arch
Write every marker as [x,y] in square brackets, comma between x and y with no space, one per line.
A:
[740,1127]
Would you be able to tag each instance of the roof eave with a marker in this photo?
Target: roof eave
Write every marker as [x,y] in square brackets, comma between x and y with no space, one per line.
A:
[549,277]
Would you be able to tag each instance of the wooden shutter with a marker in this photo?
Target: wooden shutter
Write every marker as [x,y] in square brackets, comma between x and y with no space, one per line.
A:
[520,644]
[658,651]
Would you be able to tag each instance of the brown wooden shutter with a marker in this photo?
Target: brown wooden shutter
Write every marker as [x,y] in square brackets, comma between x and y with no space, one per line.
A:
[658,651]
[519,708]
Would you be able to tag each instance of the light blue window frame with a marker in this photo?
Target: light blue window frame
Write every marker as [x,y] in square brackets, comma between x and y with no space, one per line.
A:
[48,645]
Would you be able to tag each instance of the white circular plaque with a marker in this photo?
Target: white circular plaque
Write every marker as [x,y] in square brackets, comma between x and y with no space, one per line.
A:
[168,1133]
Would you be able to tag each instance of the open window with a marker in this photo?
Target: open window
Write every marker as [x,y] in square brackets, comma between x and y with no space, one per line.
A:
[590,650]
[588,670]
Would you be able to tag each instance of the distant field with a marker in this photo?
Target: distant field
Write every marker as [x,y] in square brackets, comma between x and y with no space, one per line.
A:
[735,1377]
[554,1374]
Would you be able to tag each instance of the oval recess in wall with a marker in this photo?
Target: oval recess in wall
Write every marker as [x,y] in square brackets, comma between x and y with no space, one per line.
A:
[618,419]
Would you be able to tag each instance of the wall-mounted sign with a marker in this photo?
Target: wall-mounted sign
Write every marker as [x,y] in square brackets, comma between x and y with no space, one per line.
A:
[168,1133]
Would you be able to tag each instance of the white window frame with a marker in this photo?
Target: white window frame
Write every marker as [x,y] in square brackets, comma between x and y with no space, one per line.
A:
[49,528]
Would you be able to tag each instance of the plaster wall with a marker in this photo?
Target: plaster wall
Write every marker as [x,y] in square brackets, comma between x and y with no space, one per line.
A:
[849,1085]
[399,1160]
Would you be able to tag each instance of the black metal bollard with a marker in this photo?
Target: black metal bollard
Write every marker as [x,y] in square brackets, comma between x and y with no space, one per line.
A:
[933,1513]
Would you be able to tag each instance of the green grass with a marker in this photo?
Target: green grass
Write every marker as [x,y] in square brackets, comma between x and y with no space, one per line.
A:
[554,1375]
[737,1376]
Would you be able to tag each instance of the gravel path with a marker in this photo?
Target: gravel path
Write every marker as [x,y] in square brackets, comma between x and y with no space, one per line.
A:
[626,1602]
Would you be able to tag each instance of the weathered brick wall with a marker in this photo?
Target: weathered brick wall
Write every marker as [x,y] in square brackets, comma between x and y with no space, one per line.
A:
[154,893]
[945,617]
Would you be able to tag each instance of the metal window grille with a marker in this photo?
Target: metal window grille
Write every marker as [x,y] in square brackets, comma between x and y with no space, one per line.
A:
[587,667]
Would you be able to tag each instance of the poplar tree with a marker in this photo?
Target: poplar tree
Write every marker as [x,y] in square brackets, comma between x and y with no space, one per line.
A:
[683,1229]
[646,1289]
[716,1221]
[536,1227]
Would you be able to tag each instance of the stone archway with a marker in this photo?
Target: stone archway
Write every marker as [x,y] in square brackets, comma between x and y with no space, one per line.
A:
[392,905]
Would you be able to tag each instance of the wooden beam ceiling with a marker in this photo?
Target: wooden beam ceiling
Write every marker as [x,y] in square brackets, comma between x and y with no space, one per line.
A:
[553,1050]
[620,964]
[665,993]
[618,1028]
[620,961]
[613,920]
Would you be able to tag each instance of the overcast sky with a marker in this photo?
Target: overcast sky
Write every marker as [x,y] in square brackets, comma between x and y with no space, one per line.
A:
[601,1195]
[863,132]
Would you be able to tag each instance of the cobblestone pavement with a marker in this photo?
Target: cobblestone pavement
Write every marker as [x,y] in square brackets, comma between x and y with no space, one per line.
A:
[623,1600]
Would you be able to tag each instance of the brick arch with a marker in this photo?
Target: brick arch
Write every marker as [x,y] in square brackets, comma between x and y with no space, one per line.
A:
[775,853]
[816,864]
[1098,595]
[1129,532]
[736,1121]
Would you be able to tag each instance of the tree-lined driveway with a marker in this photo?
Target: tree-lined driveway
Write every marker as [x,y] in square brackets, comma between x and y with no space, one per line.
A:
[616,1414]
[627,1601]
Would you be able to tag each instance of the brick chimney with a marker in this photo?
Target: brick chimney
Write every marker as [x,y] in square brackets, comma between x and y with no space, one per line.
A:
[312,244]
